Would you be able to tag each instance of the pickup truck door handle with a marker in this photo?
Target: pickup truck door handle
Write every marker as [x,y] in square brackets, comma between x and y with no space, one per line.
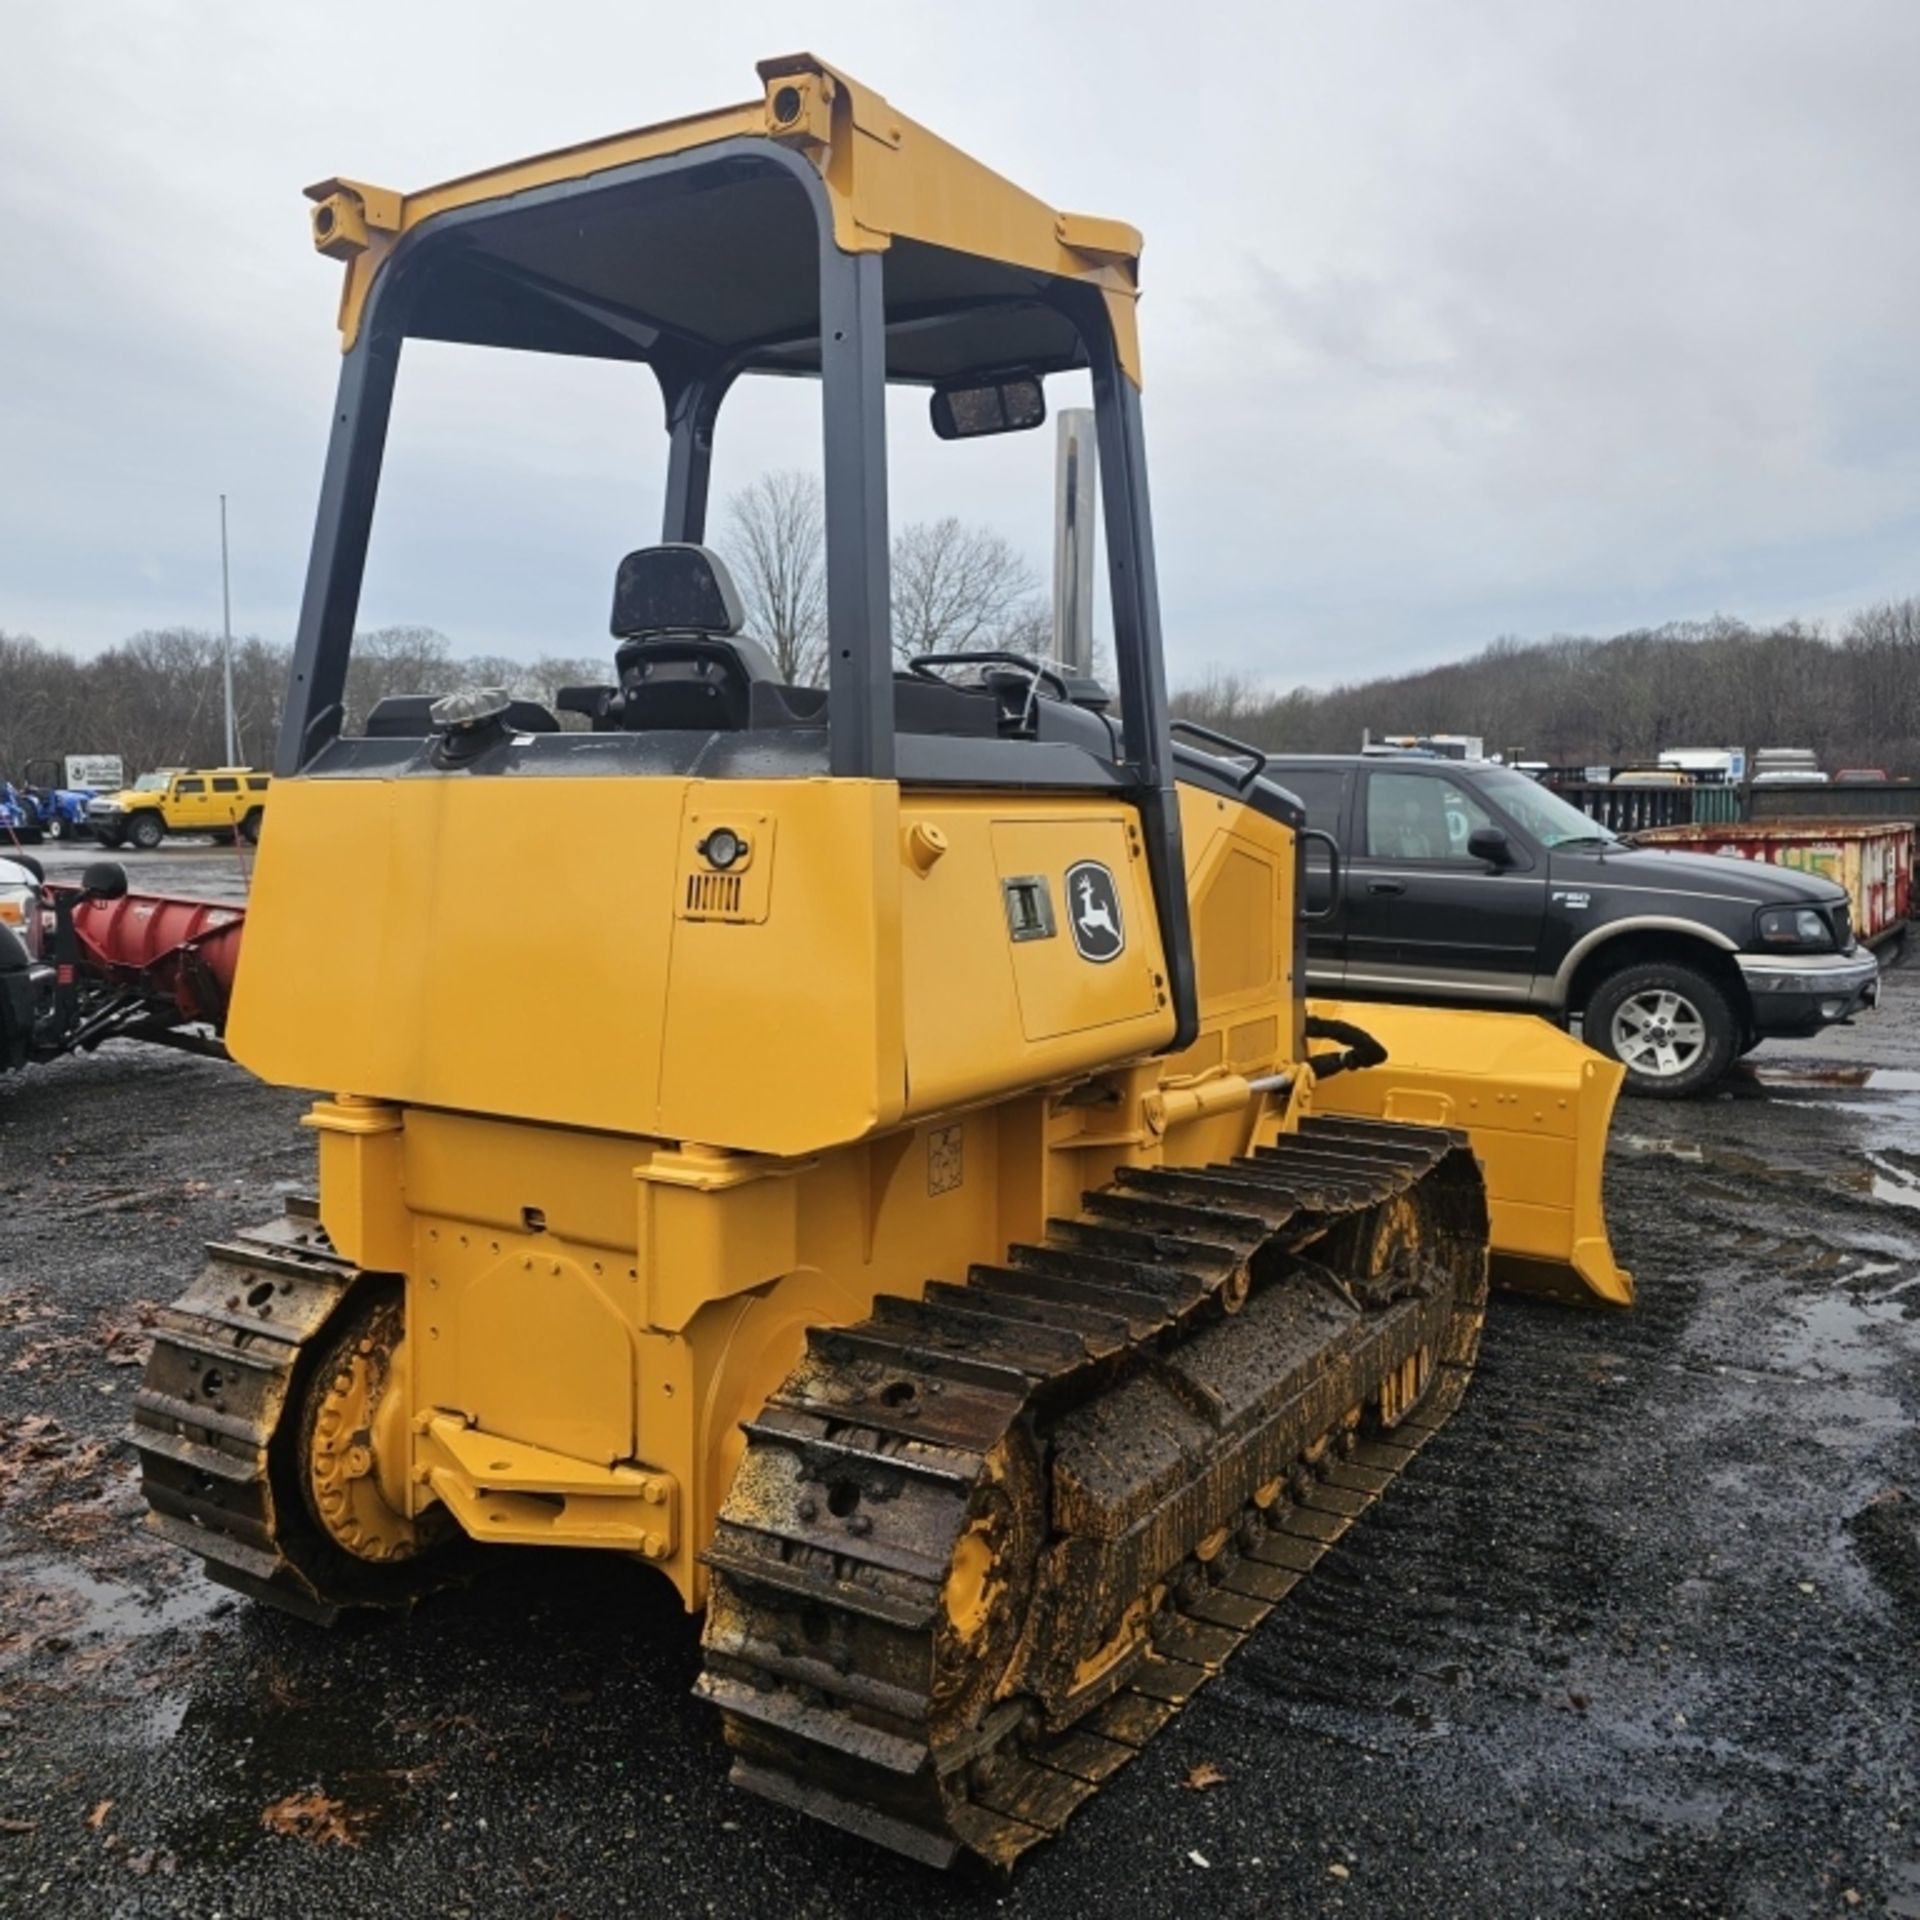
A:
[1386,886]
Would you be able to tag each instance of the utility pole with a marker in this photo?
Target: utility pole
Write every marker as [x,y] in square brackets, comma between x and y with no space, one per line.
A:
[226,630]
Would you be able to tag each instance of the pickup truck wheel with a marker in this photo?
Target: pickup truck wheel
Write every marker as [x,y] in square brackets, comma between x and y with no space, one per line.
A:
[1669,1025]
[147,831]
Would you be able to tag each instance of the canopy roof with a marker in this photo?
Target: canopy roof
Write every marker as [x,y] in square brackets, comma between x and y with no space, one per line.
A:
[699,239]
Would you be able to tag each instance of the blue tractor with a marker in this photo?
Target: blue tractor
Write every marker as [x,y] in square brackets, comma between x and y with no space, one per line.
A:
[58,812]
[20,821]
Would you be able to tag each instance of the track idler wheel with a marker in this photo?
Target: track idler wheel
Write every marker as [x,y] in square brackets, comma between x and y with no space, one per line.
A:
[1388,1251]
[985,1598]
[352,1443]
[348,1460]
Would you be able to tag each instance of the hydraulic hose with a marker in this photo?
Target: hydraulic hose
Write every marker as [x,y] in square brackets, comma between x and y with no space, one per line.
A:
[1358,1048]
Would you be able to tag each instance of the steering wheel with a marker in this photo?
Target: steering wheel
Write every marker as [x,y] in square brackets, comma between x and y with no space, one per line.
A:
[922,664]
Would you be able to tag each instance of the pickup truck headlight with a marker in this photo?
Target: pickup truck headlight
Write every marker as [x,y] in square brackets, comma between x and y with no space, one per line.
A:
[1798,927]
[20,910]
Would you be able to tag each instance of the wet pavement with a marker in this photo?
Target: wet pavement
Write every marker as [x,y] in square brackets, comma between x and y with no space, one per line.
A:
[1637,1634]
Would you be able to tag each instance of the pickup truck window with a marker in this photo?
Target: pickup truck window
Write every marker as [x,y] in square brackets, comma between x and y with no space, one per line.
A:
[1419,816]
[1549,819]
[1321,790]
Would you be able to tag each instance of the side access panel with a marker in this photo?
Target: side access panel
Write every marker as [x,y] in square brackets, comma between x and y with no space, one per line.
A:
[1538,1105]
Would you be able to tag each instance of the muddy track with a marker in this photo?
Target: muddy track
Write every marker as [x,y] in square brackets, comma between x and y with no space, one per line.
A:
[1198,1385]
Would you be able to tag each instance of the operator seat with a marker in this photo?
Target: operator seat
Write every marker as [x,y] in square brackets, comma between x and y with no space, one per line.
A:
[683,661]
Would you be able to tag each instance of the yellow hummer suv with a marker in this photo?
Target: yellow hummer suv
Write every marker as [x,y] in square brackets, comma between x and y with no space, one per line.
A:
[221,801]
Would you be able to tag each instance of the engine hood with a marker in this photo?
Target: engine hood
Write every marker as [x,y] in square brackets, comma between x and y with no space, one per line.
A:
[1726,875]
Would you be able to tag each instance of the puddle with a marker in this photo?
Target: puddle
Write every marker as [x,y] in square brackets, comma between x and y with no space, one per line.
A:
[1882,1178]
[1903,1897]
[1891,1183]
[108,1611]
[1659,1147]
[1421,1718]
[1869,1079]
[85,1623]
[1839,1339]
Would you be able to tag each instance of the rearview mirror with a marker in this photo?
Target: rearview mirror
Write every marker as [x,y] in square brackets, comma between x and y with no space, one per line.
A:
[1489,844]
[1001,403]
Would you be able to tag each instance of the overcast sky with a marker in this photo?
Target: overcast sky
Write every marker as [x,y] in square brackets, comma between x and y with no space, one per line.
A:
[1459,319]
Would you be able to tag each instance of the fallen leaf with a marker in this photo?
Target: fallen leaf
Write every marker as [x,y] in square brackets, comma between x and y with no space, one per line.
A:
[1339,1871]
[1205,1775]
[313,1817]
[98,1817]
[127,1337]
[19,1826]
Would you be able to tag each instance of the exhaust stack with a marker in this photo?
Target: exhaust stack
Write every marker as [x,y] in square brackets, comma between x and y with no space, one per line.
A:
[1075,500]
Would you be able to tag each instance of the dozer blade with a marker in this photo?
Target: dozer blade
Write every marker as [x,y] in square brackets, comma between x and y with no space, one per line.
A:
[1537,1104]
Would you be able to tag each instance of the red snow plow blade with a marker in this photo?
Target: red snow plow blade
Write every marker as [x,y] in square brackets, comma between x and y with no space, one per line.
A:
[151,965]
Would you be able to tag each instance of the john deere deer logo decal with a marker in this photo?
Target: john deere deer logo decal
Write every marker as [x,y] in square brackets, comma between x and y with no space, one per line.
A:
[1093,908]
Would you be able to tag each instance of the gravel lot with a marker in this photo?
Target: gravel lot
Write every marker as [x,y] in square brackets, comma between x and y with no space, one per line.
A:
[1636,1636]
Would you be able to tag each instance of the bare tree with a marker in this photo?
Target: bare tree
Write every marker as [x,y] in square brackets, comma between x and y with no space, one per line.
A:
[1224,700]
[957,586]
[537,680]
[389,660]
[776,547]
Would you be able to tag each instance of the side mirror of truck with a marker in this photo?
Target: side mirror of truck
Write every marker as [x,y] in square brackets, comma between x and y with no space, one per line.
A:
[1491,845]
[104,880]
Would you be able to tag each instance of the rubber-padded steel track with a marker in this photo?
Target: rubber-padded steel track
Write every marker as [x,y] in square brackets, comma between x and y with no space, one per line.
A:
[225,1367]
[985,1543]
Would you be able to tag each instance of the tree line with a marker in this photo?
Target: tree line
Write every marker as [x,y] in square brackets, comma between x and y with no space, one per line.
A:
[1852,695]
[157,699]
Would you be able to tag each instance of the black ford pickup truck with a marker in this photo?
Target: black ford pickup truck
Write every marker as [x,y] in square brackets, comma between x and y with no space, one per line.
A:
[1468,883]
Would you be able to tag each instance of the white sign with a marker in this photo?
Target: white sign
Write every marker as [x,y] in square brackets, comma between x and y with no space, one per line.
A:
[103,772]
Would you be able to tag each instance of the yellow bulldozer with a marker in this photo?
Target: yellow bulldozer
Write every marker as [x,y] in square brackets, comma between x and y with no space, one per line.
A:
[890,1182]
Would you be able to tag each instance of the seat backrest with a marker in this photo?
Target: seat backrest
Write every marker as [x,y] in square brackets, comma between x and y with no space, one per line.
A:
[675,588]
